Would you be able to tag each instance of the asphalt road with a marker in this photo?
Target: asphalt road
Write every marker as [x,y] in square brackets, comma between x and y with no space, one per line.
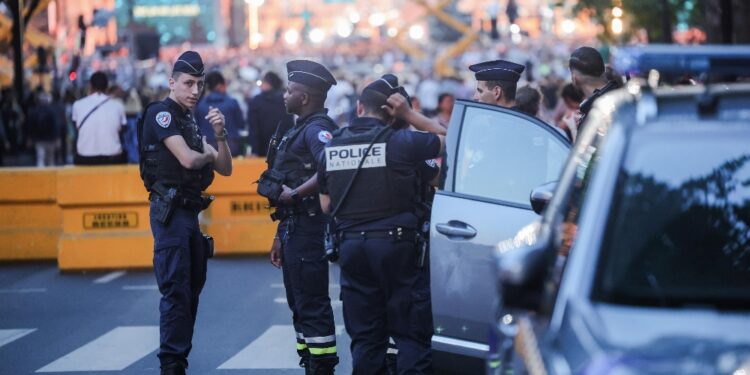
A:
[108,323]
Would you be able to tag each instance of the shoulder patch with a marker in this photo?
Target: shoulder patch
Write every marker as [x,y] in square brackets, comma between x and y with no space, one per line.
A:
[431,163]
[164,118]
[324,136]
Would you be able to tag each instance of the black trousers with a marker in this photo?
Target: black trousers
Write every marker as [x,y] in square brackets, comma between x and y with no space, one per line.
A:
[385,294]
[180,265]
[306,282]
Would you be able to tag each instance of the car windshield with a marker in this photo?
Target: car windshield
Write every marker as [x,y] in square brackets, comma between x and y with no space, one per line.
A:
[678,233]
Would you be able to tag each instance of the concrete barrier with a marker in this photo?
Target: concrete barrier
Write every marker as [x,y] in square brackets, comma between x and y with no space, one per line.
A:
[239,220]
[30,219]
[104,219]
[91,218]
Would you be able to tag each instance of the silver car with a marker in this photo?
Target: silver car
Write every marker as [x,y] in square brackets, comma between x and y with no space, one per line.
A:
[495,157]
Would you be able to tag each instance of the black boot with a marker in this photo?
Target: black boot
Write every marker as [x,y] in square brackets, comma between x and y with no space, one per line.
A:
[174,368]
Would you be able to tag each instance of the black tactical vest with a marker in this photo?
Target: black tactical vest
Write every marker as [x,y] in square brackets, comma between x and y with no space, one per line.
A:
[297,169]
[157,163]
[379,191]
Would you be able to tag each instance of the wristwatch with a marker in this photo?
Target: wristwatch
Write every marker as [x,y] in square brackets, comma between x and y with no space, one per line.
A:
[222,136]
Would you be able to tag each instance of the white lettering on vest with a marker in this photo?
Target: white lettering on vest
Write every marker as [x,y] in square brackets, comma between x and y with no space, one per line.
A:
[341,158]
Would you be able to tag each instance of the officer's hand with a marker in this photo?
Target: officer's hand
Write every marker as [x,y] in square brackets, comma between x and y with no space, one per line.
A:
[286,194]
[276,253]
[216,119]
[397,106]
[209,150]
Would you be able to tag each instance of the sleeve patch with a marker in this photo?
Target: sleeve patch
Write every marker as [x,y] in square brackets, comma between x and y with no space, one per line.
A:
[164,118]
[324,136]
[431,163]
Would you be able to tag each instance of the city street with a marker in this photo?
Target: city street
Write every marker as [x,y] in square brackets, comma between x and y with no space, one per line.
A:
[108,322]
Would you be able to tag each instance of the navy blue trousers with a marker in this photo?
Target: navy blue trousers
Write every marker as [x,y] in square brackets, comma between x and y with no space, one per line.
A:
[306,282]
[386,295]
[180,261]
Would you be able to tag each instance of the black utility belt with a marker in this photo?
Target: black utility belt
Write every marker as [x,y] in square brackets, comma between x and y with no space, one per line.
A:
[190,203]
[399,234]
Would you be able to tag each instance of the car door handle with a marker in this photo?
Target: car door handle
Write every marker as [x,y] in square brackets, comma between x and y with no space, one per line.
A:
[454,229]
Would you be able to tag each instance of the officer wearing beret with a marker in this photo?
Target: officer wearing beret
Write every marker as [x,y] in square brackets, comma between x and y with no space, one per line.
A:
[384,279]
[298,244]
[177,165]
[496,82]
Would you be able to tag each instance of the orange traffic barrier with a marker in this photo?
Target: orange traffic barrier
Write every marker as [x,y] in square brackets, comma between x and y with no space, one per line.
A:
[30,220]
[239,219]
[105,219]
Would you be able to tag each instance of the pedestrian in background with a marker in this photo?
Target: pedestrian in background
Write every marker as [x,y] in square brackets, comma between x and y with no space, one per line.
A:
[217,98]
[99,121]
[444,109]
[44,128]
[266,114]
[177,165]
[528,100]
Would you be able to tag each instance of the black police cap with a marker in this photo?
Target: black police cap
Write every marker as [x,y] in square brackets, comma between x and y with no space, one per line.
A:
[189,62]
[497,70]
[311,74]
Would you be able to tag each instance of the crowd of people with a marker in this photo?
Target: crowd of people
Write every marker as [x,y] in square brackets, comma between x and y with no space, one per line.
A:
[245,84]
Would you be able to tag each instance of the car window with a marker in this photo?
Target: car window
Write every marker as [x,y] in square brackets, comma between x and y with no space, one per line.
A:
[678,233]
[503,156]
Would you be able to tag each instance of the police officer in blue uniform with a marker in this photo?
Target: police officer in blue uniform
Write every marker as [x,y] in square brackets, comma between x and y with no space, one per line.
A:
[291,185]
[496,82]
[177,165]
[384,280]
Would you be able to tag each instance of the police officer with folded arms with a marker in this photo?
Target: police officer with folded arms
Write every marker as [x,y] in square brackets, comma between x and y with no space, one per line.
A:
[384,280]
[291,186]
[177,165]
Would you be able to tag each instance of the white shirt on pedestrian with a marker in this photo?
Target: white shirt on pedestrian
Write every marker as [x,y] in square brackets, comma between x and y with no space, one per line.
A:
[99,135]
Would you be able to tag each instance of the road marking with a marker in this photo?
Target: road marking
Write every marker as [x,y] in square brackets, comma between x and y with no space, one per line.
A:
[7,336]
[282,300]
[113,351]
[280,286]
[24,290]
[274,349]
[109,277]
[140,287]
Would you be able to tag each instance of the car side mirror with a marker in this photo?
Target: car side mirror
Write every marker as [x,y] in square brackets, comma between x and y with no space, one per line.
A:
[541,195]
[523,264]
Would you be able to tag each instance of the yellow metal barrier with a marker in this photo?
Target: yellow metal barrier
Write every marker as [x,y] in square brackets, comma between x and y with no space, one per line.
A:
[30,220]
[105,219]
[239,219]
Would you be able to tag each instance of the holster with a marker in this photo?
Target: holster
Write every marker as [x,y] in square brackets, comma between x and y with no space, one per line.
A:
[165,201]
[270,185]
[208,244]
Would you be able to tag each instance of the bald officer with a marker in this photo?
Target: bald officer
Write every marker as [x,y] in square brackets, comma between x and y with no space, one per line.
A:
[177,165]
[496,82]
[291,186]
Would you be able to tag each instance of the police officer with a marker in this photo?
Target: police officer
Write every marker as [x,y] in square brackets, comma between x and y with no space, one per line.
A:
[177,165]
[496,82]
[298,245]
[587,71]
[384,282]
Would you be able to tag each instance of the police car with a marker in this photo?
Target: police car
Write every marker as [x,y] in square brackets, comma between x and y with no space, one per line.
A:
[640,263]
[495,157]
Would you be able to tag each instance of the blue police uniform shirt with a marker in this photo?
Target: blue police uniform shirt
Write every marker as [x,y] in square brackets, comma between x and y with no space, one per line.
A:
[314,137]
[406,151]
[159,123]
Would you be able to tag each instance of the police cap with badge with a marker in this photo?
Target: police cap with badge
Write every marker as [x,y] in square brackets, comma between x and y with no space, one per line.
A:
[189,62]
[311,74]
[381,89]
[497,70]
